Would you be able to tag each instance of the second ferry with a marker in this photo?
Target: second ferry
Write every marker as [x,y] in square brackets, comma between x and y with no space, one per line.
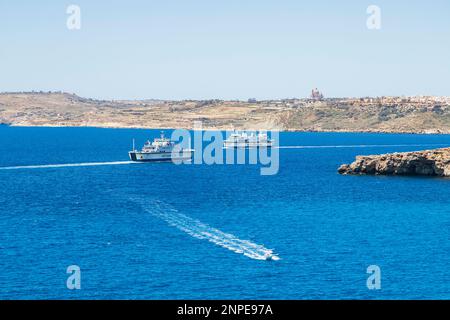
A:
[160,150]
[244,140]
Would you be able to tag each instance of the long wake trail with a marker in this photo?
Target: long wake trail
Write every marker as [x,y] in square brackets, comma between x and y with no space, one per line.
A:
[202,231]
[82,164]
[364,146]
[113,163]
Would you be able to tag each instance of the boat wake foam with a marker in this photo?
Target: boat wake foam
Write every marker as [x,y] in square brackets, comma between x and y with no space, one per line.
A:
[202,231]
[85,164]
[112,163]
[363,146]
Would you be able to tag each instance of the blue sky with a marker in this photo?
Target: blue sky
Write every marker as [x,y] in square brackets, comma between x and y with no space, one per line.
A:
[198,49]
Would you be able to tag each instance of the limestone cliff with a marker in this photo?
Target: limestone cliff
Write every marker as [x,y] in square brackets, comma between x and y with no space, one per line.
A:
[427,163]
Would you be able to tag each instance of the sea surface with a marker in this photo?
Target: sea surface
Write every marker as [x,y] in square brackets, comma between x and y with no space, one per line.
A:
[165,231]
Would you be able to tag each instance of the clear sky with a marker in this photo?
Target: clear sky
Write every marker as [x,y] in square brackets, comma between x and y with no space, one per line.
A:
[228,49]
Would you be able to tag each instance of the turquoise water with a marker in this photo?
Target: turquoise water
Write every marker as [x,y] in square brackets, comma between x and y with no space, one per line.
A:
[161,231]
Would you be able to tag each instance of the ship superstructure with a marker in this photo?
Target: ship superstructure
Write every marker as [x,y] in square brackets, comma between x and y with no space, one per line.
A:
[244,140]
[161,149]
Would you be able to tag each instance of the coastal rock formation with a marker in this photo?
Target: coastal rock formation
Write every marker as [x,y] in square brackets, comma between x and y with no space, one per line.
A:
[427,163]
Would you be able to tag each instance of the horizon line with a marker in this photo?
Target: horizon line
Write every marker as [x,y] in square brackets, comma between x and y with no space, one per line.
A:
[43,92]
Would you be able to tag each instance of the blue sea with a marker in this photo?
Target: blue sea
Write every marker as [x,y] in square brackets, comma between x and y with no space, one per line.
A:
[165,231]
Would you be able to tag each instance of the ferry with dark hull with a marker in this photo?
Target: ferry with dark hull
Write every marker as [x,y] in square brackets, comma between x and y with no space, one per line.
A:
[160,150]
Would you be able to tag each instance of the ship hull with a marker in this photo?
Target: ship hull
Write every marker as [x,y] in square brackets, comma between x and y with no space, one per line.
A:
[246,145]
[160,156]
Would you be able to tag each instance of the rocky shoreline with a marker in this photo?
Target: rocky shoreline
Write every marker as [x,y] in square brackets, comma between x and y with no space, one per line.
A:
[213,128]
[419,163]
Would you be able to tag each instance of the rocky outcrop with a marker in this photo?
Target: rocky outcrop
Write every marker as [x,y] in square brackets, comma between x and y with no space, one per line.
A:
[427,163]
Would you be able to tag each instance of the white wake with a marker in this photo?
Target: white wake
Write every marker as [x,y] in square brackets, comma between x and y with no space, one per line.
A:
[85,164]
[200,230]
[364,146]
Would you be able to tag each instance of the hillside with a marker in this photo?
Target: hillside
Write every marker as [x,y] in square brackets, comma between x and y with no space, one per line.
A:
[390,114]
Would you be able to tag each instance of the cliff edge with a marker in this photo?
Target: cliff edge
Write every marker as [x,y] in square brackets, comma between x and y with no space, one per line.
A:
[425,163]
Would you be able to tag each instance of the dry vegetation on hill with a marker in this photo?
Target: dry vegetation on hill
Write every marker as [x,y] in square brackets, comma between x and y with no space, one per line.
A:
[415,115]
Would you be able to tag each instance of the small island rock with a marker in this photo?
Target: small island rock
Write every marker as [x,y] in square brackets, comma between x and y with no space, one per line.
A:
[425,163]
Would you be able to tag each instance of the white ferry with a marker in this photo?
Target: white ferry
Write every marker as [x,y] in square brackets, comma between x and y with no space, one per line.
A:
[244,140]
[159,150]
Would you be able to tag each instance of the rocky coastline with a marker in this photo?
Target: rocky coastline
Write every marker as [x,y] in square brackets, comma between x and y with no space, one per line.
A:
[419,163]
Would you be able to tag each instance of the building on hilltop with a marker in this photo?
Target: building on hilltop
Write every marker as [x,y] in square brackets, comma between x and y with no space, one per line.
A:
[316,95]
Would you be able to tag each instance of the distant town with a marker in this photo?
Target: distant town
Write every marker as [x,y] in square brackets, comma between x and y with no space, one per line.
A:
[415,114]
